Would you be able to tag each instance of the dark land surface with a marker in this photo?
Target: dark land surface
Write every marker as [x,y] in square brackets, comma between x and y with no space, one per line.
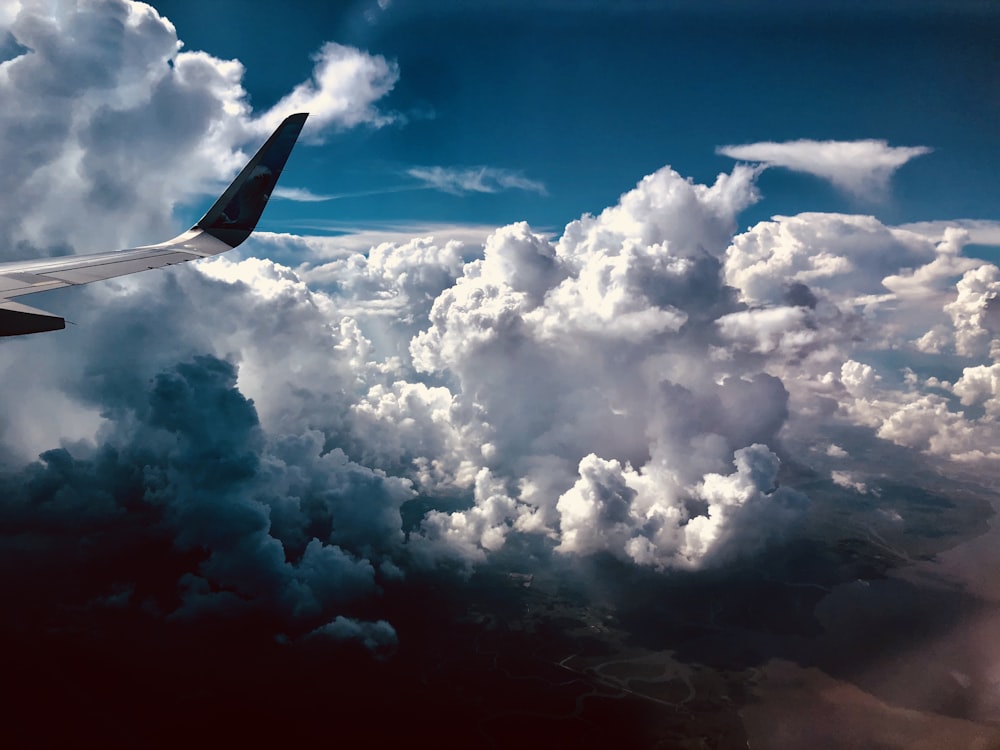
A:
[783,649]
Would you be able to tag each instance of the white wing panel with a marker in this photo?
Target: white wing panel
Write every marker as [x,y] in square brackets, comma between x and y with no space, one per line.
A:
[28,277]
[16,284]
[119,267]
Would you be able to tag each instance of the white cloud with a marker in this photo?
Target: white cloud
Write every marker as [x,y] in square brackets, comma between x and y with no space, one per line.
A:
[618,388]
[345,85]
[980,386]
[580,376]
[980,231]
[845,273]
[824,288]
[536,371]
[301,195]
[938,275]
[549,348]
[918,416]
[95,86]
[636,517]
[475,180]
[862,168]
[975,311]
[848,480]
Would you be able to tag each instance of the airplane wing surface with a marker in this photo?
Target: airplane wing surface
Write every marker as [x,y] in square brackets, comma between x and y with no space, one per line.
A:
[230,221]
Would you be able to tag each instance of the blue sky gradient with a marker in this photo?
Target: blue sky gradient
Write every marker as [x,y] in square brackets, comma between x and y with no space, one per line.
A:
[588,100]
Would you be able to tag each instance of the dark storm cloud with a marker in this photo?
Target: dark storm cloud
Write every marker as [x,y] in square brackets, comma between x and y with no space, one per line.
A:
[378,637]
[188,455]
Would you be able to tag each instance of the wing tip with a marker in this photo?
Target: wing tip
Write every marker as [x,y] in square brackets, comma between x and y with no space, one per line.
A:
[235,214]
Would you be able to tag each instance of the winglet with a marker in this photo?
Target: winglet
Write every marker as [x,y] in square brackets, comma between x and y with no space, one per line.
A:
[235,214]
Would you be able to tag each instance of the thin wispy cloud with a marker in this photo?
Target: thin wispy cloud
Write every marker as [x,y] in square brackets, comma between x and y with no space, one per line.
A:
[342,91]
[862,168]
[303,195]
[300,195]
[475,180]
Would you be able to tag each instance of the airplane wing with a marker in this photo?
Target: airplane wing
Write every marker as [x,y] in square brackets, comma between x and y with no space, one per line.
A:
[226,225]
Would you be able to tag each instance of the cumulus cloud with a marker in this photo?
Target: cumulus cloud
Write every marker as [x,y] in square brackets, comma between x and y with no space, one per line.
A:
[851,277]
[110,93]
[919,413]
[495,383]
[980,385]
[846,254]
[270,514]
[172,447]
[975,311]
[616,509]
[579,360]
[359,407]
[342,92]
[862,168]
[826,291]
[475,180]
[310,251]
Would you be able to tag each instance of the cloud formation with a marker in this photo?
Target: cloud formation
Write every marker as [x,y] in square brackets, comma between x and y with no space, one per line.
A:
[342,92]
[185,456]
[302,436]
[873,288]
[103,90]
[862,168]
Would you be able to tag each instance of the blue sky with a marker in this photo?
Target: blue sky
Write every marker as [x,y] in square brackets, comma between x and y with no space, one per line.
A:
[586,99]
